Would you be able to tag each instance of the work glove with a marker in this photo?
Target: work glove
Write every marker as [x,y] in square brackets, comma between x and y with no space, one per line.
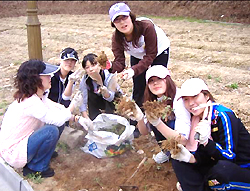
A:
[112,84]
[104,91]
[135,116]
[128,74]
[86,123]
[203,128]
[154,120]
[78,99]
[184,155]
[77,75]
[95,74]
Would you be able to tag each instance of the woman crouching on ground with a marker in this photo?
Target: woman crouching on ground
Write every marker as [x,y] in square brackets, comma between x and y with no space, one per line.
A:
[29,131]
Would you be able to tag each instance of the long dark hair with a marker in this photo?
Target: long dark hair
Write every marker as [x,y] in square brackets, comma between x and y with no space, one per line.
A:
[137,32]
[27,80]
[91,57]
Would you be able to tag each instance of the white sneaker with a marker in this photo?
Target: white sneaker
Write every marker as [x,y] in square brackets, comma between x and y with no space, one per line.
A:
[178,186]
[161,157]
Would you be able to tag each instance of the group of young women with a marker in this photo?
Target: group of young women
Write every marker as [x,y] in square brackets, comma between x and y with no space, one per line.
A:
[214,143]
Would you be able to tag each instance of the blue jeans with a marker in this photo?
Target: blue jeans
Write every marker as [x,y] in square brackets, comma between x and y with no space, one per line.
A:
[41,145]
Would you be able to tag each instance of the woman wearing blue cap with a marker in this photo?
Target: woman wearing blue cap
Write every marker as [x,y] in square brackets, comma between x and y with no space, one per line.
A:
[29,130]
[146,43]
[220,155]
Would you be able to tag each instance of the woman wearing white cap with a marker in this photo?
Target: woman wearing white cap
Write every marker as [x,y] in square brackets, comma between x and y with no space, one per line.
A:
[63,81]
[221,156]
[29,130]
[146,43]
[159,85]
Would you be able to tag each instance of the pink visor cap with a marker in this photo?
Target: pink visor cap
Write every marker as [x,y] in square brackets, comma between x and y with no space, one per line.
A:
[158,71]
[117,10]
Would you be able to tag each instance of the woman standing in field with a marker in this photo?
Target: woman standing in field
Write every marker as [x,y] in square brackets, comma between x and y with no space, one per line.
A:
[146,43]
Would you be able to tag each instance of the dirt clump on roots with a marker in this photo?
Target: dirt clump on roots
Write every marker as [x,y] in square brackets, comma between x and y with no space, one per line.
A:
[159,109]
[124,106]
[102,59]
[171,144]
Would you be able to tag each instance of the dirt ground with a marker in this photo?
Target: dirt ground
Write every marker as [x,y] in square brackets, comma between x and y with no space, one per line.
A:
[219,53]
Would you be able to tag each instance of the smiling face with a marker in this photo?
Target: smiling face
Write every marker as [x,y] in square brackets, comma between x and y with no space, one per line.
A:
[157,86]
[193,101]
[124,24]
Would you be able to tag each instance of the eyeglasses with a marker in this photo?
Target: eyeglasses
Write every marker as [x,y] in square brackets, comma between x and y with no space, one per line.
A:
[120,18]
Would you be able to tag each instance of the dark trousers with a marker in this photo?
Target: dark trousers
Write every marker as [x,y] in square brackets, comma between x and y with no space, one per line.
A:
[139,81]
[96,103]
[158,135]
[224,175]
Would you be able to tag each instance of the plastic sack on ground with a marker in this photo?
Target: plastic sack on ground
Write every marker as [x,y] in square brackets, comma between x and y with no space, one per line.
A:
[112,135]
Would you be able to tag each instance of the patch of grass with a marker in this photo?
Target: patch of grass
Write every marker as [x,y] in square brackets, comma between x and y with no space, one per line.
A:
[35,178]
[4,104]
[233,86]
[209,77]
[98,181]
[145,187]
[218,79]
[62,146]
[119,165]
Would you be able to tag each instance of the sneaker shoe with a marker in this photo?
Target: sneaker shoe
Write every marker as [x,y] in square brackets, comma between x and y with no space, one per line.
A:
[178,186]
[54,155]
[161,157]
[47,173]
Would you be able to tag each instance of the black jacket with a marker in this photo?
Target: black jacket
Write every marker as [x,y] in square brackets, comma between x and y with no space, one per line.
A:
[57,89]
[231,140]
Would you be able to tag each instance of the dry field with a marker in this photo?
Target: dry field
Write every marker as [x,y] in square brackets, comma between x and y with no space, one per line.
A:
[219,53]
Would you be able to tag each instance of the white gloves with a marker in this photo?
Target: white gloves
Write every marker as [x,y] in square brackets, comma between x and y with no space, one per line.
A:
[152,119]
[134,116]
[204,126]
[86,123]
[78,99]
[113,83]
[77,75]
[184,155]
[95,74]
[128,74]
[204,129]
[104,91]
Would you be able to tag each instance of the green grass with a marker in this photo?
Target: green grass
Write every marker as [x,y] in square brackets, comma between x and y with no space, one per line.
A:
[62,146]
[233,86]
[4,104]
[35,178]
[189,19]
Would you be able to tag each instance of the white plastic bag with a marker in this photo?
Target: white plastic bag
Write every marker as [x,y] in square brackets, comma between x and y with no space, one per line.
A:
[103,144]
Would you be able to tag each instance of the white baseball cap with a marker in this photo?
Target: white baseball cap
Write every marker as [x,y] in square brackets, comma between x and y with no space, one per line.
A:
[118,9]
[159,71]
[192,87]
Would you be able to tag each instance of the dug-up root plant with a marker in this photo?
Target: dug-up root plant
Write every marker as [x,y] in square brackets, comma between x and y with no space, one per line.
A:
[171,144]
[158,109]
[102,59]
[123,105]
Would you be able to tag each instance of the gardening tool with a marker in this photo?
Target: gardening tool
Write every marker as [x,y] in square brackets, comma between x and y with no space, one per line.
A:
[132,187]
